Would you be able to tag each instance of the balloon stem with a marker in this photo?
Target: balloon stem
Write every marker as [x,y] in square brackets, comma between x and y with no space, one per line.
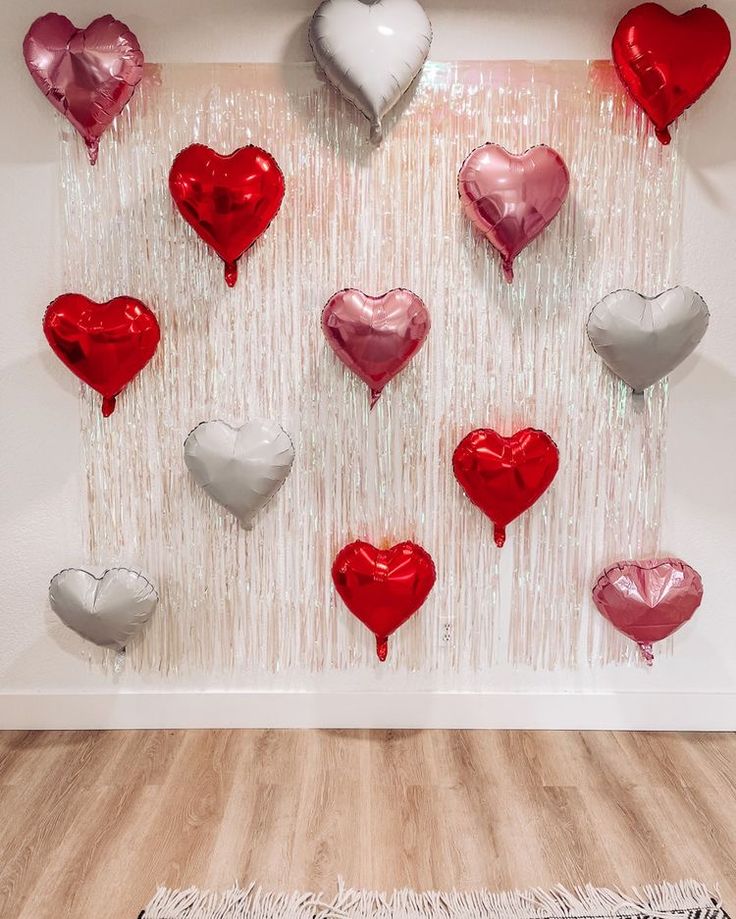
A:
[663,135]
[375,396]
[646,652]
[376,132]
[382,647]
[508,269]
[499,535]
[108,406]
[93,148]
[231,273]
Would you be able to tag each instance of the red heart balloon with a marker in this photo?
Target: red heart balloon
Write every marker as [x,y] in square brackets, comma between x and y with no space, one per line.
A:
[104,344]
[383,587]
[667,62]
[228,200]
[648,600]
[504,476]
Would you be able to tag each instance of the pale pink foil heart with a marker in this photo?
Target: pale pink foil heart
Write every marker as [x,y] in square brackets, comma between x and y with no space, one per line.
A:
[512,197]
[87,74]
[648,600]
[375,337]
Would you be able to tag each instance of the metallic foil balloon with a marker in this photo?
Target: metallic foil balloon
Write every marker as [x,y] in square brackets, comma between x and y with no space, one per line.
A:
[87,74]
[504,476]
[228,200]
[239,468]
[371,51]
[375,337]
[104,344]
[383,587]
[666,62]
[648,600]
[108,610]
[642,339]
[511,197]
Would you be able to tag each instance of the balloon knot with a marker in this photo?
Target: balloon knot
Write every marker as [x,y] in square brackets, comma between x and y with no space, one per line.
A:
[499,535]
[108,406]
[382,647]
[646,652]
[376,132]
[93,148]
[663,135]
[375,396]
[231,273]
[508,270]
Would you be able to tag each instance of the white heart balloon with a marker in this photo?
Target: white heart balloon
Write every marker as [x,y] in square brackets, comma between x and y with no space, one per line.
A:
[239,468]
[371,50]
[108,610]
[642,339]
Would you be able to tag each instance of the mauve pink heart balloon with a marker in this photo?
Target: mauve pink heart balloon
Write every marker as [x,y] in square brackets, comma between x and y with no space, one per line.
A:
[512,197]
[648,600]
[375,337]
[87,74]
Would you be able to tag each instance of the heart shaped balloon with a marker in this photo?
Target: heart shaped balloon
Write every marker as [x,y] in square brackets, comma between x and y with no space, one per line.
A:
[511,197]
[383,587]
[104,344]
[87,74]
[666,62]
[239,468]
[648,600]
[642,339]
[504,476]
[108,610]
[230,200]
[375,337]
[371,51]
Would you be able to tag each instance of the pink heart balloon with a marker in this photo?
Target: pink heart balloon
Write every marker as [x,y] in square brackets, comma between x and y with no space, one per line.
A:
[87,74]
[512,197]
[648,600]
[375,337]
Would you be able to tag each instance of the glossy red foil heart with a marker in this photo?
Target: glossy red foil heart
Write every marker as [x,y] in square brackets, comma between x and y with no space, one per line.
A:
[648,600]
[89,75]
[666,62]
[383,587]
[104,344]
[375,337]
[228,200]
[504,476]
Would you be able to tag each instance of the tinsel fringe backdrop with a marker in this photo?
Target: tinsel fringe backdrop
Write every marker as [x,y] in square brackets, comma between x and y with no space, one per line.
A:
[498,355]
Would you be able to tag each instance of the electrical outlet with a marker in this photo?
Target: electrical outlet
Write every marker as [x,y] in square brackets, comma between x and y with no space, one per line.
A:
[446,632]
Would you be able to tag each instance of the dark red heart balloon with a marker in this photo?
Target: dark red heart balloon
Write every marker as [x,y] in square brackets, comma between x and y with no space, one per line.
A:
[228,200]
[667,62]
[383,587]
[104,344]
[504,476]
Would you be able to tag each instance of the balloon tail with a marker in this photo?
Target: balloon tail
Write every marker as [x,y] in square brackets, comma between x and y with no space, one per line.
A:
[508,269]
[375,396]
[646,652]
[499,535]
[108,406]
[376,132]
[231,273]
[663,135]
[119,660]
[382,647]
[638,392]
[93,148]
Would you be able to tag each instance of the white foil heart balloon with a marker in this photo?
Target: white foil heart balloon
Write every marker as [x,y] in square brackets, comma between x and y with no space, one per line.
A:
[108,610]
[642,339]
[239,468]
[371,50]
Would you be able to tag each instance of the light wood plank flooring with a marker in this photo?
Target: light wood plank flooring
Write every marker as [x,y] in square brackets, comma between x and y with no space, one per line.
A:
[91,822]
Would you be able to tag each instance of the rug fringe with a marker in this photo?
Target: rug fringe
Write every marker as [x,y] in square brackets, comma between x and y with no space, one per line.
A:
[557,903]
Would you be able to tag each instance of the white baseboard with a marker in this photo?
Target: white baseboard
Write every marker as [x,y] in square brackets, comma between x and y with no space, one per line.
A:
[490,710]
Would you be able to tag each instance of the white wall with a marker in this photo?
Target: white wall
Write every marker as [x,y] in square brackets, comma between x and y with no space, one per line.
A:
[40,482]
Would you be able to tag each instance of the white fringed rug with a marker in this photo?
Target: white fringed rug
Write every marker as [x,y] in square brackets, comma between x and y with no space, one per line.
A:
[686,900]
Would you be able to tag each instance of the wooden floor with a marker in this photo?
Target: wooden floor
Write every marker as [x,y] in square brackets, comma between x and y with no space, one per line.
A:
[90,823]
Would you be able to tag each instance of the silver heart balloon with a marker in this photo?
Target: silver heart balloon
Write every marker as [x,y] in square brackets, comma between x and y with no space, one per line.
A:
[642,339]
[106,610]
[371,50]
[240,468]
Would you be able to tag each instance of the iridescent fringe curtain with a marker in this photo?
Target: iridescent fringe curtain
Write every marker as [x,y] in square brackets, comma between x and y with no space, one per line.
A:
[498,355]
